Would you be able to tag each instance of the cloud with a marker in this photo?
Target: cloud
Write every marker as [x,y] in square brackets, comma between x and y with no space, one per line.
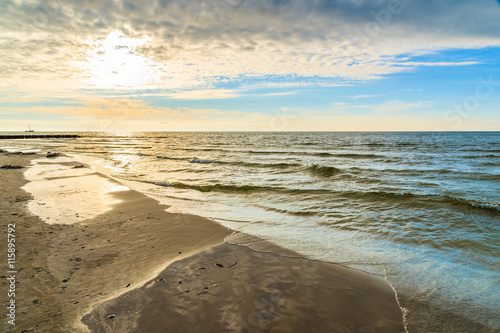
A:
[439,63]
[365,96]
[397,106]
[390,106]
[280,94]
[195,44]
[114,108]
[204,94]
[125,114]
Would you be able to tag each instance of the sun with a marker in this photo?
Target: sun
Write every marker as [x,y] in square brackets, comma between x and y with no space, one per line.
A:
[116,64]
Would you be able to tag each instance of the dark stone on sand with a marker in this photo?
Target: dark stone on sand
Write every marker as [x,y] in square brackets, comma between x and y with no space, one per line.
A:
[220,265]
[49,154]
[11,167]
[128,285]
[65,280]
[78,166]
[18,153]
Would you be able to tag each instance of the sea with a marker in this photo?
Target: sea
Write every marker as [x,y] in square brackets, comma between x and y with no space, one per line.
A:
[420,209]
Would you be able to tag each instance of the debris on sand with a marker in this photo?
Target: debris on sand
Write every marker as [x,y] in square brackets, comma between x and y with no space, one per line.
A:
[11,167]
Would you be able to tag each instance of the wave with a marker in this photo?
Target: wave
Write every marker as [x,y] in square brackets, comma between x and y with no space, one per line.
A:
[319,154]
[481,156]
[411,198]
[288,212]
[167,157]
[261,165]
[494,164]
[475,204]
[290,153]
[170,158]
[200,149]
[235,163]
[406,144]
[268,152]
[310,143]
[356,156]
[197,160]
[404,198]
[323,170]
[374,144]
[218,187]
[482,150]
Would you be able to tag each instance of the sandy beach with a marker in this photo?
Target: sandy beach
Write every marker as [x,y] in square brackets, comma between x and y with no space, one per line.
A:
[100,257]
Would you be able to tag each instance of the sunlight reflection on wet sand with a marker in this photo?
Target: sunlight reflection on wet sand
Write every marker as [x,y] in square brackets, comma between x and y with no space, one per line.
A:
[63,194]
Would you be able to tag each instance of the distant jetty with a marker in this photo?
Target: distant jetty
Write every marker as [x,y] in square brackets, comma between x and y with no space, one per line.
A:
[39,136]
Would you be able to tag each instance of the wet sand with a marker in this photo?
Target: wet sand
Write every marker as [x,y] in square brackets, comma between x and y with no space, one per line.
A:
[132,267]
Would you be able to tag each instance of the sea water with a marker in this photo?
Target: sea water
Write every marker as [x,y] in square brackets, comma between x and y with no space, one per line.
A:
[420,209]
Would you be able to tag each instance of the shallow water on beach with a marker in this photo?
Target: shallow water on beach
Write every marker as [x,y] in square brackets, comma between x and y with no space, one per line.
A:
[421,209]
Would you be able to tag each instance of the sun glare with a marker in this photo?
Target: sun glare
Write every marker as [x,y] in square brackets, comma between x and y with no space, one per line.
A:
[116,64]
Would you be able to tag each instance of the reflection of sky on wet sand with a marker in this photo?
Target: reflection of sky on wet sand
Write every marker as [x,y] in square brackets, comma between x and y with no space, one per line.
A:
[63,195]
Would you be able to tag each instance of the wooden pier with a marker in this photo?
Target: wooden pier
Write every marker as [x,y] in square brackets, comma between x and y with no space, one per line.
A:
[38,136]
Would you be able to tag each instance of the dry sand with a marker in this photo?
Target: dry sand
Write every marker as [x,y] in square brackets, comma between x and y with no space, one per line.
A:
[153,271]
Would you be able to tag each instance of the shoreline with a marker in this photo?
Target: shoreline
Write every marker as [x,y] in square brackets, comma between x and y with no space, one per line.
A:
[146,245]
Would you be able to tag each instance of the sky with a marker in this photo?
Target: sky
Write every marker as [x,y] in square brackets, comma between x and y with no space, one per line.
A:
[250,65]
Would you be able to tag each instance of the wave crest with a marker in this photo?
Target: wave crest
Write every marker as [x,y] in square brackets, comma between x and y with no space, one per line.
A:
[323,170]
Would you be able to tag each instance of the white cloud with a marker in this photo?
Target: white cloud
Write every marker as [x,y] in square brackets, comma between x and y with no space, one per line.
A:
[365,96]
[280,94]
[204,94]
[439,63]
[192,44]
[392,106]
